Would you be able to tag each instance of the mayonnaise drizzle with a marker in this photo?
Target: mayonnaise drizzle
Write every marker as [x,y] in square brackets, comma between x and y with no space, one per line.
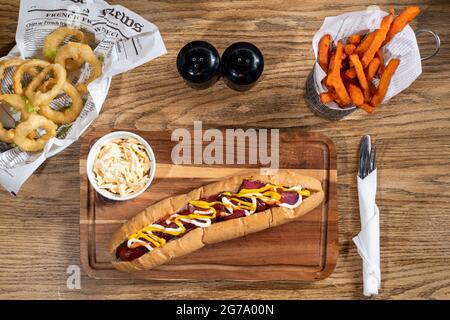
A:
[200,222]
[299,201]
[144,243]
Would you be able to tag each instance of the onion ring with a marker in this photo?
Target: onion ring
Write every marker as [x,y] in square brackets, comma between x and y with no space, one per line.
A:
[68,115]
[76,51]
[26,67]
[8,63]
[57,37]
[33,123]
[37,97]
[18,103]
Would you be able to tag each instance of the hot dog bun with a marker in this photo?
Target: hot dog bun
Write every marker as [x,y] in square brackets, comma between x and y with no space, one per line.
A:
[217,232]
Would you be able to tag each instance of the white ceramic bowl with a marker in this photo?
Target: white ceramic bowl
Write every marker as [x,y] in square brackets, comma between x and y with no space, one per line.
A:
[93,154]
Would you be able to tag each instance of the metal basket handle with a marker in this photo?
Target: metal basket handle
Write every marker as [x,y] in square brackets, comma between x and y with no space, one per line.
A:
[437,39]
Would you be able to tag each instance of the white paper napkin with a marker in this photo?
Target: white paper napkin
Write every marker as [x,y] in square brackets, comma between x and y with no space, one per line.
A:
[368,240]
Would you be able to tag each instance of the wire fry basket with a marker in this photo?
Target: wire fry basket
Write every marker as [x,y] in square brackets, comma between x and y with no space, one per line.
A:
[312,96]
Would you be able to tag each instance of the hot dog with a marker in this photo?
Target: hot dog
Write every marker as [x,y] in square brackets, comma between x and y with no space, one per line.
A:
[217,212]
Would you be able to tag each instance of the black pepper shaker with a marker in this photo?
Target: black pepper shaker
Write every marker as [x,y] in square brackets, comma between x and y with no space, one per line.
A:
[242,65]
[198,62]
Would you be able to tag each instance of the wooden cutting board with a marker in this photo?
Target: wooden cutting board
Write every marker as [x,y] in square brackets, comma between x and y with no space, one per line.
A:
[306,249]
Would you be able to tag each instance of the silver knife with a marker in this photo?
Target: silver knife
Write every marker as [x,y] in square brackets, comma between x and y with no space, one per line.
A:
[367,157]
[364,166]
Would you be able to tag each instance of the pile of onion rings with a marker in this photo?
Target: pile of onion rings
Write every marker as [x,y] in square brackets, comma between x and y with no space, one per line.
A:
[38,87]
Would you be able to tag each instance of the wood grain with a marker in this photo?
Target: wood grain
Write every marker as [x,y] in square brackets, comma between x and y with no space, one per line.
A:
[412,131]
[306,249]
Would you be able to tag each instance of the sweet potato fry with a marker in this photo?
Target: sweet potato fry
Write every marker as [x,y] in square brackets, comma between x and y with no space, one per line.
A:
[364,45]
[337,99]
[334,76]
[324,52]
[372,69]
[326,97]
[349,49]
[356,94]
[350,73]
[366,107]
[341,91]
[345,78]
[354,39]
[401,21]
[377,40]
[335,64]
[329,88]
[384,82]
[361,76]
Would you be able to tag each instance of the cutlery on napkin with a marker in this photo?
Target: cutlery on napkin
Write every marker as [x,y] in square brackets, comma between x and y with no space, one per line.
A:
[368,240]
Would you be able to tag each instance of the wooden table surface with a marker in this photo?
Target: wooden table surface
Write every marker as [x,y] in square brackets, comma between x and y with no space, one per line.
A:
[39,230]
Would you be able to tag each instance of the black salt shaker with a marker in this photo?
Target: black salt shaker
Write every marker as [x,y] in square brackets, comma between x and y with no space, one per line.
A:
[198,62]
[242,65]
